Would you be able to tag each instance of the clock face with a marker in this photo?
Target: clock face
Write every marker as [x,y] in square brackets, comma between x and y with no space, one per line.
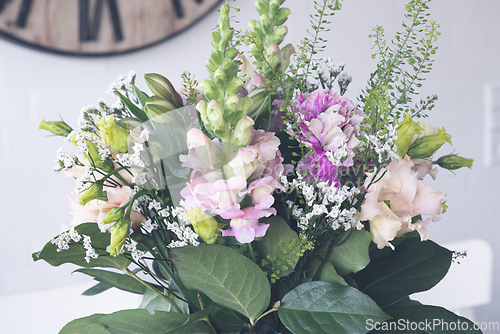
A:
[97,27]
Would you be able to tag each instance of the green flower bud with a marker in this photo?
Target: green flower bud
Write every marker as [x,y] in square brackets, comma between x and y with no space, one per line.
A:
[112,134]
[234,86]
[278,34]
[266,23]
[216,37]
[231,53]
[163,88]
[220,76]
[406,130]
[224,17]
[285,55]
[113,216]
[243,132]
[273,55]
[260,98]
[119,234]
[425,146]
[95,191]
[158,109]
[204,225]
[453,161]
[445,207]
[261,6]
[94,157]
[59,128]
[282,16]
[215,115]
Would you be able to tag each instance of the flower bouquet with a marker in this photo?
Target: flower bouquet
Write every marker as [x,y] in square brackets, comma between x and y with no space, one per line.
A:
[261,200]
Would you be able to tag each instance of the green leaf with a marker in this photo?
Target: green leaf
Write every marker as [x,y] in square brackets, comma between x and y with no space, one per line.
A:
[280,246]
[119,281]
[96,289]
[352,255]
[325,307]
[132,322]
[192,320]
[76,252]
[414,266]
[328,272]
[136,111]
[154,302]
[141,96]
[226,320]
[225,276]
[412,317]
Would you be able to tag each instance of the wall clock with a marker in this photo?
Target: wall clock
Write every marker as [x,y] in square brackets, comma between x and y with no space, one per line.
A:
[97,27]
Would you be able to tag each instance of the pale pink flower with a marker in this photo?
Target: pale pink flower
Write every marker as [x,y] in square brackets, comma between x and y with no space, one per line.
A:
[406,197]
[424,168]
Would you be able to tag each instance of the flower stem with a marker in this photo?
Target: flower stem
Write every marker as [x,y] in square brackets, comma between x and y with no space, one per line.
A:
[169,299]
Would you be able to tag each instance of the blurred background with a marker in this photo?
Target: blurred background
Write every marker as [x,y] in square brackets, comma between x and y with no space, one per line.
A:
[36,85]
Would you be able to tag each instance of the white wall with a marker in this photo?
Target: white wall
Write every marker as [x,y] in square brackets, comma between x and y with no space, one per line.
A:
[36,85]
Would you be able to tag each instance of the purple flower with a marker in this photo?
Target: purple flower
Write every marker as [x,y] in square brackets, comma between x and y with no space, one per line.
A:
[330,126]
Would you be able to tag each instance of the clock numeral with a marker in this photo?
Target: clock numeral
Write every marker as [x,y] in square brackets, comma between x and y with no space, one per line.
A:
[24,12]
[89,25]
[179,11]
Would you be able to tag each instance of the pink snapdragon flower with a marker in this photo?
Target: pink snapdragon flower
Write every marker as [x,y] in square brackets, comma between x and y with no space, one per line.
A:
[330,125]
[391,202]
[219,187]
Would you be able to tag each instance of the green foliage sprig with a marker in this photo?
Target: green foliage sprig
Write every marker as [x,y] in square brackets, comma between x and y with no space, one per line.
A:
[400,68]
[312,45]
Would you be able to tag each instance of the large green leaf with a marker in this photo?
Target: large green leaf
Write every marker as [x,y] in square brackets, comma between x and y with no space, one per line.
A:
[119,281]
[351,255]
[154,302]
[76,252]
[413,317]
[137,321]
[326,307]
[225,276]
[280,247]
[413,266]
[226,320]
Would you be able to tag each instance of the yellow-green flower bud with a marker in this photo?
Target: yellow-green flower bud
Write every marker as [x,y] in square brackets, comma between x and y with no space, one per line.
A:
[59,128]
[224,17]
[243,132]
[95,191]
[279,34]
[163,88]
[453,161]
[112,134]
[406,130]
[232,102]
[114,214]
[215,115]
[282,16]
[119,234]
[220,78]
[266,23]
[425,146]
[445,207]
[234,86]
[204,225]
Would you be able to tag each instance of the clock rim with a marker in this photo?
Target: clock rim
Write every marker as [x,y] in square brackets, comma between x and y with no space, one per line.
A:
[13,39]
